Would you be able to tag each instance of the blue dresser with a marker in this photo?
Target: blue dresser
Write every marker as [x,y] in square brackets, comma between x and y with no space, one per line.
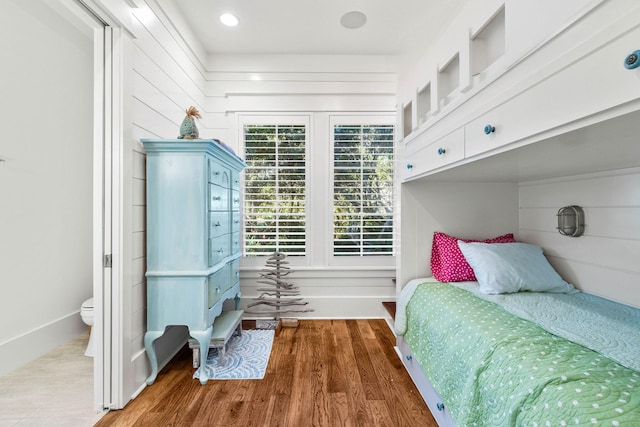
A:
[193,238]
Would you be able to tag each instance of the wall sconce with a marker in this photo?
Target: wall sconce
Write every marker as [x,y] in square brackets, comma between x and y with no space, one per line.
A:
[570,221]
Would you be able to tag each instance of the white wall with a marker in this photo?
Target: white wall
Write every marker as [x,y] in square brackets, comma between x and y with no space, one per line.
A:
[45,181]
[468,210]
[604,261]
[162,79]
[168,73]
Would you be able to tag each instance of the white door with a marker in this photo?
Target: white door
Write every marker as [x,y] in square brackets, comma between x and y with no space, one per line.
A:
[106,174]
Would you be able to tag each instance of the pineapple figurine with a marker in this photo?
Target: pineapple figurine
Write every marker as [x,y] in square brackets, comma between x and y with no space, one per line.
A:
[188,128]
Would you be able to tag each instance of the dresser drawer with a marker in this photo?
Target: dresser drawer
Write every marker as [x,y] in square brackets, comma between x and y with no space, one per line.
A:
[214,281]
[218,249]
[235,200]
[235,221]
[218,198]
[225,278]
[235,271]
[218,223]
[235,180]
[235,243]
[442,152]
[219,174]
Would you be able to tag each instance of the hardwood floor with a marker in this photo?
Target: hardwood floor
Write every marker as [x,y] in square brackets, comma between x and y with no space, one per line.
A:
[322,373]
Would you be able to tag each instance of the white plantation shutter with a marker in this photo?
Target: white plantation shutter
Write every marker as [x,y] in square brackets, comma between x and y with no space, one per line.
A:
[274,192]
[363,190]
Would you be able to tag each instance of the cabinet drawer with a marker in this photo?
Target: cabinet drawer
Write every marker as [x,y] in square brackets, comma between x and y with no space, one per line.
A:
[218,174]
[447,149]
[235,200]
[591,84]
[218,198]
[235,243]
[225,278]
[218,223]
[218,249]
[235,180]
[235,271]
[235,221]
[214,288]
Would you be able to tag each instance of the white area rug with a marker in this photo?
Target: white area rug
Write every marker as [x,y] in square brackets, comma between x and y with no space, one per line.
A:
[246,357]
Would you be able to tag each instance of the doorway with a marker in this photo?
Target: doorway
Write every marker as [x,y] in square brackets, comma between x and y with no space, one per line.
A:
[56,179]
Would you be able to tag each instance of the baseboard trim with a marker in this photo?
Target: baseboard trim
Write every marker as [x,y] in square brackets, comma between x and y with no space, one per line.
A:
[29,346]
[332,307]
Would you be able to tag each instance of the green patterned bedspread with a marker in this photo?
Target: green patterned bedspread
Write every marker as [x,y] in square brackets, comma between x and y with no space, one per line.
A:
[493,368]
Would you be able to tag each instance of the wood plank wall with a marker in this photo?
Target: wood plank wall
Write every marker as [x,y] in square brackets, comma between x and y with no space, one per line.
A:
[603,261]
[166,73]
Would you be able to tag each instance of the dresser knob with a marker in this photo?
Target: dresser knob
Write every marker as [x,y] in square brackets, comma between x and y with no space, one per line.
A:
[441,151]
[220,250]
[409,166]
[488,129]
[440,406]
[632,60]
[217,224]
[409,357]
[217,198]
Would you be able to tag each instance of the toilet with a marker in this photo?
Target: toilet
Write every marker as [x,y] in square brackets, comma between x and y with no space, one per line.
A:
[86,313]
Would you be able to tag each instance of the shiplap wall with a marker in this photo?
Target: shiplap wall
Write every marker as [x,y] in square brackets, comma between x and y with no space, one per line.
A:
[468,210]
[605,260]
[168,73]
[162,79]
[317,87]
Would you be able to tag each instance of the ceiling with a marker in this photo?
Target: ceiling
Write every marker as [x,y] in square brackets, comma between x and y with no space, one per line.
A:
[393,27]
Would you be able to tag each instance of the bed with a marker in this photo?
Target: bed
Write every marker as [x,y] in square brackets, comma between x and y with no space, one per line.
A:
[522,358]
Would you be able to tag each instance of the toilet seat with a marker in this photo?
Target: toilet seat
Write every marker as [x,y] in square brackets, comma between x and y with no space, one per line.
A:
[86,313]
[88,304]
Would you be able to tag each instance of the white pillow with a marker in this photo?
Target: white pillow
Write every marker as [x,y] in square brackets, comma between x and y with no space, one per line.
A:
[512,267]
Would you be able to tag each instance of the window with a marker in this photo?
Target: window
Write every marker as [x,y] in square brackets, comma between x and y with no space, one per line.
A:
[363,189]
[275,189]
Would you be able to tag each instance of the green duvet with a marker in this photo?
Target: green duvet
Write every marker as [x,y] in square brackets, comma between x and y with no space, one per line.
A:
[493,368]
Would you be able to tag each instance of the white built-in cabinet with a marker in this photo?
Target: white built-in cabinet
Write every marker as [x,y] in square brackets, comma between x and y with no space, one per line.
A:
[501,82]
[515,91]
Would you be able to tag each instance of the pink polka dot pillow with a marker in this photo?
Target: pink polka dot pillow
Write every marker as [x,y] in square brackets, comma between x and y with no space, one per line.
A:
[447,262]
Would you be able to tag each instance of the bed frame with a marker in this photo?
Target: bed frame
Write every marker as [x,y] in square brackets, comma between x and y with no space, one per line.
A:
[429,394]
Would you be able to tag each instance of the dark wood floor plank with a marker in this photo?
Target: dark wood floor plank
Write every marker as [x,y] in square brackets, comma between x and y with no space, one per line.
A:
[323,373]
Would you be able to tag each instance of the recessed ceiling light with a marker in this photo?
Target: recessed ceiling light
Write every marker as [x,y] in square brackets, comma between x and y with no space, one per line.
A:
[229,19]
[354,19]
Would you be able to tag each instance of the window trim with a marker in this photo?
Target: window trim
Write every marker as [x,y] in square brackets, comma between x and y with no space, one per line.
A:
[275,119]
[381,261]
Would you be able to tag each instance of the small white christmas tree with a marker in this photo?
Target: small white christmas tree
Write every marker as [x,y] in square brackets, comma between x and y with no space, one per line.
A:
[281,295]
